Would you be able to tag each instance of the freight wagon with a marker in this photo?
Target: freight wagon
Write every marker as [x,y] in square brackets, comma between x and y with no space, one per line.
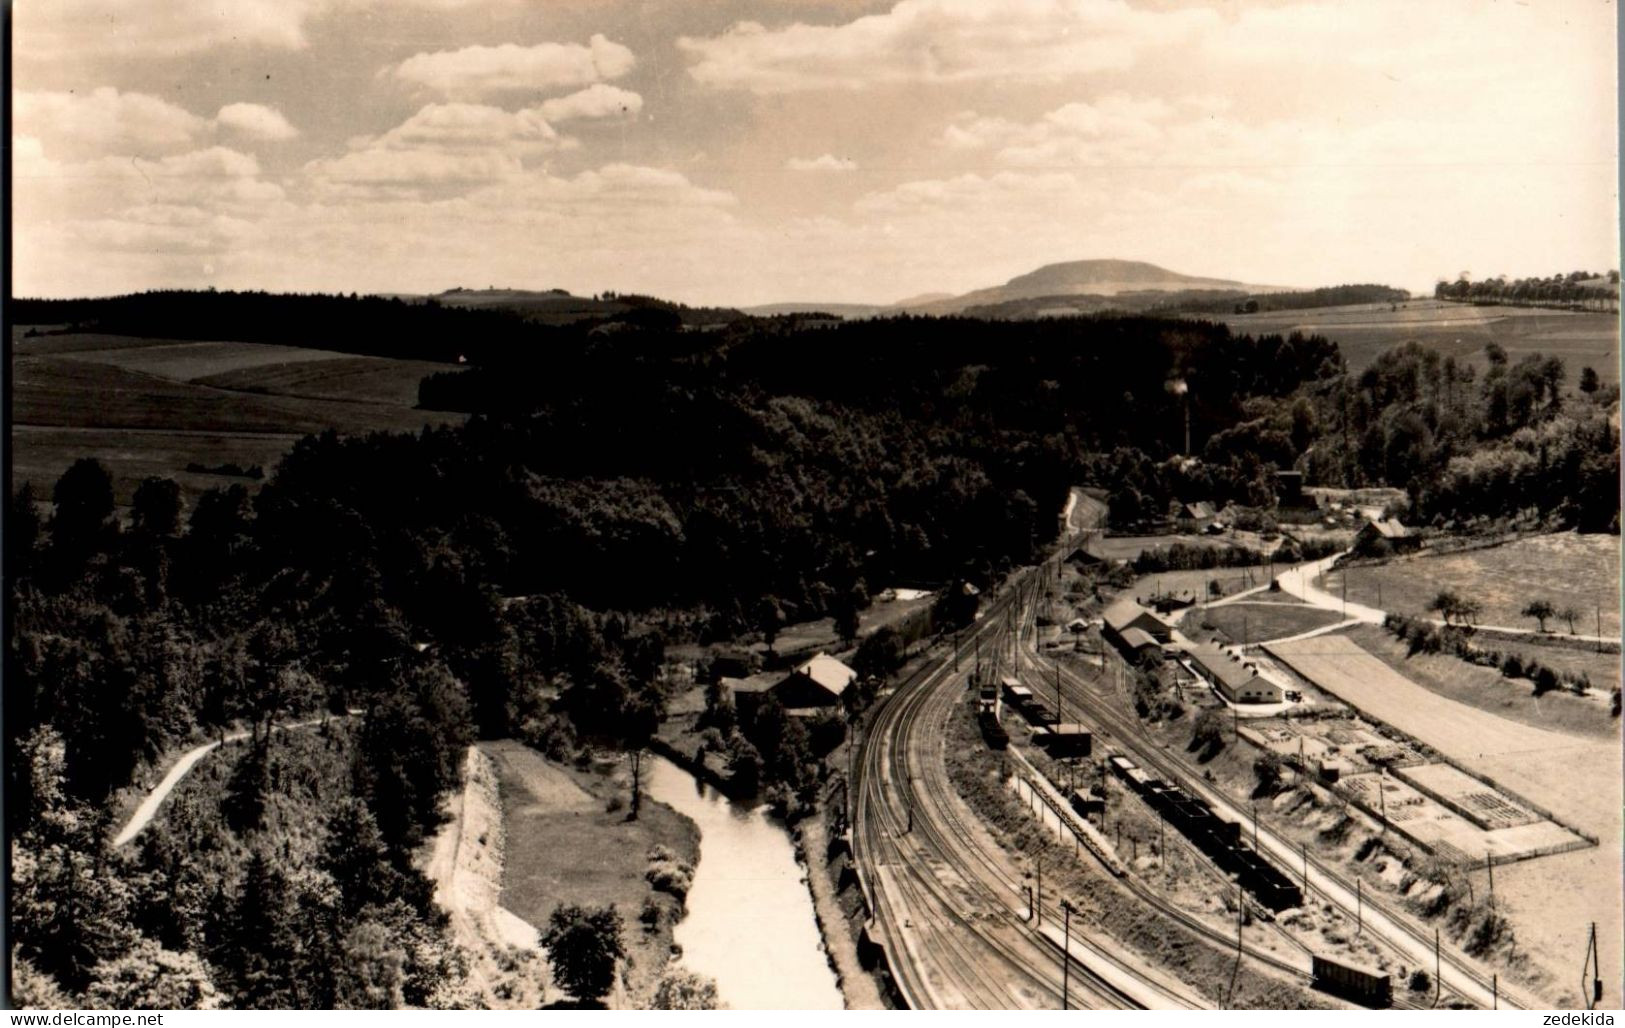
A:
[993,733]
[1364,986]
[1219,839]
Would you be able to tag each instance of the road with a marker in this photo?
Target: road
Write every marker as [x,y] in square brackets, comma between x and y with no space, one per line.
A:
[148,808]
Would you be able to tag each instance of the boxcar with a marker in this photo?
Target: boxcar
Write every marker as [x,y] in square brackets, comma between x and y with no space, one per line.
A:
[993,733]
[1364,986]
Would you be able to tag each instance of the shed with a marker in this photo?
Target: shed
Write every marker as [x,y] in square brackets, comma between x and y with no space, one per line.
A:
[1069,740]
[1087,803]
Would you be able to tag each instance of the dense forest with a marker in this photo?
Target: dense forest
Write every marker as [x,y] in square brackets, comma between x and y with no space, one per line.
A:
[1465,445]
[622,485]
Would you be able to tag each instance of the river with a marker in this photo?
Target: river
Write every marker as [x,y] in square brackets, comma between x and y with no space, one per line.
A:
[750,922]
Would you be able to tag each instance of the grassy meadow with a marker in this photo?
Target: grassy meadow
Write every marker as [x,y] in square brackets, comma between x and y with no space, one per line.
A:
[1568,569]
[1363,331]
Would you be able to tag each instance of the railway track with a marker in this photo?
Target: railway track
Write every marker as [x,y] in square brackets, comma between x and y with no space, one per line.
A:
[946,904]
[1457,972]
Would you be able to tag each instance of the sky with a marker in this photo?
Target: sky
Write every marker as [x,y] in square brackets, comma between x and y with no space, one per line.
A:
[732,152]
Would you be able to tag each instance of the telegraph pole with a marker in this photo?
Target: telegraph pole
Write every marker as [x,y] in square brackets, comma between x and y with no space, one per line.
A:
[1038,894]
[1066,948]
[1489,865]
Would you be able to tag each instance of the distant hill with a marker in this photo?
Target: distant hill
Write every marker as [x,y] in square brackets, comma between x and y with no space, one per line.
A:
[1134,302]
[1094,279]
[923,299]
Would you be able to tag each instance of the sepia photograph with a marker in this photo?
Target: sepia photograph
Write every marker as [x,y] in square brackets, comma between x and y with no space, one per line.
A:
[812,505]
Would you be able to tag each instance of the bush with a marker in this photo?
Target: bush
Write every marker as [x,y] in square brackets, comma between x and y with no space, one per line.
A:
[1545,680]
[669,874]
[1268,767]
[1421,981]
[1512,666]
[1208,733]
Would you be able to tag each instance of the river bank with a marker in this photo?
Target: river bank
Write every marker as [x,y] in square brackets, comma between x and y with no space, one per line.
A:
[835,919]
[751,925]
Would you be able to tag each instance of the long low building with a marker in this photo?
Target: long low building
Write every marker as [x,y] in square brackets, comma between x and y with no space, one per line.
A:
[1237,680]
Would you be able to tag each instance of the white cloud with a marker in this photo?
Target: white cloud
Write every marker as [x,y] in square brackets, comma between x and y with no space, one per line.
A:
[53,30]
[468,126]
[596,101]
[480,71]
[255,121]
[103,120]
[940,41]
[57,29]
[442,146]
[414,168]
[824,164]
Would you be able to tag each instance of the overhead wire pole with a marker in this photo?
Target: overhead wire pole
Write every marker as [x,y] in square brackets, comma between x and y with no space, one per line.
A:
[1066,949]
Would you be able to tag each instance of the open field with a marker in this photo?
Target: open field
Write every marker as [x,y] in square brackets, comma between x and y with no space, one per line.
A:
[342,377]
[1574,777]
[133,404]
[1566,568]
[1245,621]
[189,361]
[1363,331]
[1553,901]
[1198,585]
[41,453]
[1486,689]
